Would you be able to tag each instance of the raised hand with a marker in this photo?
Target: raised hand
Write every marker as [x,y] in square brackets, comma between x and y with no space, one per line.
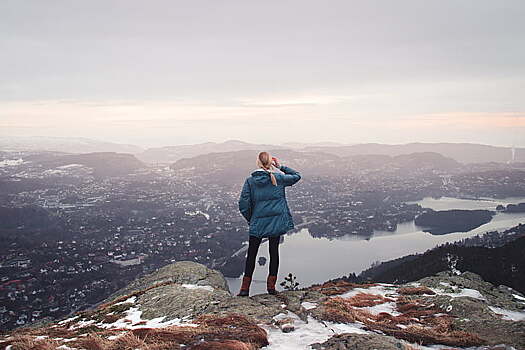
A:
[275,162]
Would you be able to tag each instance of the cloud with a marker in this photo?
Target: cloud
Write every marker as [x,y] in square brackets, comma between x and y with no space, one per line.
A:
[465,120]
[308,117]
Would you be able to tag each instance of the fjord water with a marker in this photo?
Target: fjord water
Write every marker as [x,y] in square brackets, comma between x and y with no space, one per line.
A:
[315,260]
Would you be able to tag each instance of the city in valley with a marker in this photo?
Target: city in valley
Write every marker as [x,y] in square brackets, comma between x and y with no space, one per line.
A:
[77,227]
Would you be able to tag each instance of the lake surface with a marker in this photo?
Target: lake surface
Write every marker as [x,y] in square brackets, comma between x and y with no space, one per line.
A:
[315,260]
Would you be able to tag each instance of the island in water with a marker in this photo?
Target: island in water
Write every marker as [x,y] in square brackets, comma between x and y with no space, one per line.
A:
[449,221]
[512,208]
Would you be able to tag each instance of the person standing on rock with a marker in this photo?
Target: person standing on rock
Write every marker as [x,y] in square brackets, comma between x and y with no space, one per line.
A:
[263,204]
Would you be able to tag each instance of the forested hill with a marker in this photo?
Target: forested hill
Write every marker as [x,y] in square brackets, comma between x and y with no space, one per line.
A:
[502,265]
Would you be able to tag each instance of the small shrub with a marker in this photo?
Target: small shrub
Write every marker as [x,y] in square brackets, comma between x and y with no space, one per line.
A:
[290,282]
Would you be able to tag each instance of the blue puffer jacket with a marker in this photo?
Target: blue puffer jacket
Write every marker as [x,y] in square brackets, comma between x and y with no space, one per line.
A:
[264,205]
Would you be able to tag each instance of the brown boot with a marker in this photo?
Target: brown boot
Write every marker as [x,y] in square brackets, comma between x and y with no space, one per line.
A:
[270,284]
[245,287]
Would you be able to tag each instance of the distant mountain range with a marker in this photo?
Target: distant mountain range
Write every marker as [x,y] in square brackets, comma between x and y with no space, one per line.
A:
[461,152]
[232,167]
[170,154]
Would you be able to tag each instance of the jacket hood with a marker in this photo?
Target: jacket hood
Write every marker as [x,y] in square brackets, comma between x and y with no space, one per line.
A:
[261,177]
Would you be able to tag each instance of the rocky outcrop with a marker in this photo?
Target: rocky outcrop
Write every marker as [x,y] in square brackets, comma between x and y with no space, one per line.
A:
[501,296]
[483,314]
[186,305]
[347,341]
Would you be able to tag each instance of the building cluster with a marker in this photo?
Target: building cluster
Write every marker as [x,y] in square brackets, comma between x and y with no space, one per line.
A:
[104,232]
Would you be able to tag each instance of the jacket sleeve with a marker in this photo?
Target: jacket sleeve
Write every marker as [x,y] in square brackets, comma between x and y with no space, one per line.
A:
[290,176]
[245,201]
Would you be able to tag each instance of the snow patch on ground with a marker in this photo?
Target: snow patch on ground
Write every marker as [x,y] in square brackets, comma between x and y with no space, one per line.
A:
[82,324]
[194,286]
[384,290]
[308,305]
[130,300]
[518,297]
[133,320]
[508,314]
[389,308]
[305,333]
[68,320]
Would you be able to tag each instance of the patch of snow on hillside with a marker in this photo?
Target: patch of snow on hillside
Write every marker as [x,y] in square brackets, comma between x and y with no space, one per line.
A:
[518,297]
[194,286]
[508,314]
[68,320]
[130,300]
[389,308]
[308,305]
[82,324]
[305,333]
[133,320]
[383,289]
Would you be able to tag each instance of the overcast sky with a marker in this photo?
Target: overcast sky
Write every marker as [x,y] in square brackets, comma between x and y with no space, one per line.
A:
[176,72]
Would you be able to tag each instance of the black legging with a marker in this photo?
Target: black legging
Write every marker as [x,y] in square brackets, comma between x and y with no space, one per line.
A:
[253,248]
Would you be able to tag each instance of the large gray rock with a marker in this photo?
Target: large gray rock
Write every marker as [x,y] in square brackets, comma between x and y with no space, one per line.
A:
[183,289]
[260,307]
[187,290]
[474,315]
[176,301]
[348,341]
[496,296]
[182,272]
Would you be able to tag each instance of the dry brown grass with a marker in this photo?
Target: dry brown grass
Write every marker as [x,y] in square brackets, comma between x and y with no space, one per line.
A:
[339,287]
[340,310]
[423,326]
[111,318]
[415,308]
[224,345]
[235,327]
[409,347]
[415,347]
[428,335]
[365,299]
[25,342]
[229,332]
[50,332]
[415,291]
